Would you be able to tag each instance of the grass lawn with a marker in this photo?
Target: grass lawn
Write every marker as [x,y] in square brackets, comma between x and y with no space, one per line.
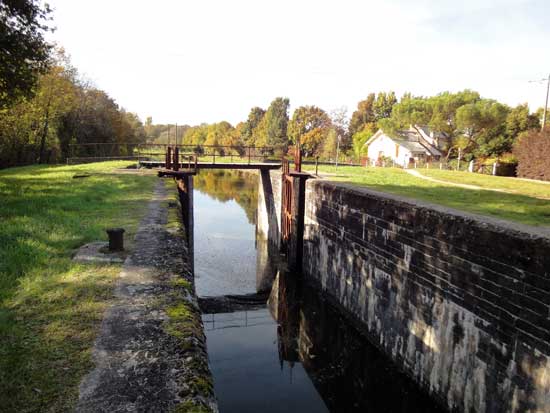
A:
[51,307]
[520,207]
[529,188]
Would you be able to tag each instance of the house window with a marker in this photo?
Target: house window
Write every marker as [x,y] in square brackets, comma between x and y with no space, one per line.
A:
[396,151]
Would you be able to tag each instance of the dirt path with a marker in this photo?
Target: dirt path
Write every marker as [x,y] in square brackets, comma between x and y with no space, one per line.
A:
[467,186]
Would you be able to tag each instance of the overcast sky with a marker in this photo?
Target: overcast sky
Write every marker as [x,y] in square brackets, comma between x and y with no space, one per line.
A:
[199,61]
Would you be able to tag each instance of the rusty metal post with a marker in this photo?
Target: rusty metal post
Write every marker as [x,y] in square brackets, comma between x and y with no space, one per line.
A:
[168,164]
[297,158]
[116,239]
[176,159]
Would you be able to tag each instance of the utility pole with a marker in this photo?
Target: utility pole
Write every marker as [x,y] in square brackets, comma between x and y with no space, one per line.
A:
[547,80]
[337,149]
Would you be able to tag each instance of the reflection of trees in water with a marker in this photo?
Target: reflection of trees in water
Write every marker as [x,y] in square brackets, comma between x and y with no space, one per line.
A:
[224,185]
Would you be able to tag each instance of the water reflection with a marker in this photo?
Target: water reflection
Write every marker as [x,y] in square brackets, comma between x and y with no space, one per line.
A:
[248,374]
[297,353]
[349,373]
[228,185]
[224,241]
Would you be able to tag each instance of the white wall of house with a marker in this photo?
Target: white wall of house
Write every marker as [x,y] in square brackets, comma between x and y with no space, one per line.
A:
[385,146]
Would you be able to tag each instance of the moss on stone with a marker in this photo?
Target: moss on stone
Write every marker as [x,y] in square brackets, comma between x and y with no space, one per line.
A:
[185,325]
[179,312]
[202,385]
[182,282]
[189,406]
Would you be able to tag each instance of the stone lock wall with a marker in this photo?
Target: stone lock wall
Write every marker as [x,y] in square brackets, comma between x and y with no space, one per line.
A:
[269,208]
[461,303]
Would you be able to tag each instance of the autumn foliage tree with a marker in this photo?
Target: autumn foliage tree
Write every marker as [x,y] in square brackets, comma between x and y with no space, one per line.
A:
[310,126]
[63,110]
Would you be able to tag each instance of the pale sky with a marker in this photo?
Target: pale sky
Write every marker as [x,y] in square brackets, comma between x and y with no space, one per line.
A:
[211,60]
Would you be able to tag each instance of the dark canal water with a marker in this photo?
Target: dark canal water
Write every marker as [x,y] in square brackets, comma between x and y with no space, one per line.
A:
[291,351]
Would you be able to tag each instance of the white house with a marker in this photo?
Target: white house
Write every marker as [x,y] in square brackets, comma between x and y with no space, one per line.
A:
[407,146]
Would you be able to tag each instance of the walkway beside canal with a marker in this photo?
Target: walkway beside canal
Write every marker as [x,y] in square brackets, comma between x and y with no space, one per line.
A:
[150,354]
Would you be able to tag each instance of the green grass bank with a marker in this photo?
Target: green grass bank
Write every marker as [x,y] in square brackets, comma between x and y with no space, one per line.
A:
[525,205]
[51,307]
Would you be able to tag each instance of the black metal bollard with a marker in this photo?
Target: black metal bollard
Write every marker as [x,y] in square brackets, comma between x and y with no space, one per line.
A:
[116,239]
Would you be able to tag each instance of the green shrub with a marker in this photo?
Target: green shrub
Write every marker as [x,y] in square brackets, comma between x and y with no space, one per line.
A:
[533,153]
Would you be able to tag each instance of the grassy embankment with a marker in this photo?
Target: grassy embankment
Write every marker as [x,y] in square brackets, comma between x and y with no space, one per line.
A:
[518,186]
[51,307]
[524,205]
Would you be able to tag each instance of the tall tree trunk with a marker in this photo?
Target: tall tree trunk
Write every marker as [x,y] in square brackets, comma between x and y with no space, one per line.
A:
[44,134]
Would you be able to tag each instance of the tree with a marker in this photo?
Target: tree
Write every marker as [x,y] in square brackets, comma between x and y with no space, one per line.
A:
[218,135]
[309,125]
[55,97]
[250,130]
[272,130]
[520,120]
[438,112]
[443,109]
[235,139]
[24,53]
[360,138]
[329,145]
[340,124]
[363,115]
[196,135]
[383,105]
[39,117]
[409,111]
[482,124]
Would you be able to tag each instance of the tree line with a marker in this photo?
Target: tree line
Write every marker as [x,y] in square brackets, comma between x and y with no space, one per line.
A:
[477,127]
[315,129]
[63,109]
[45,106]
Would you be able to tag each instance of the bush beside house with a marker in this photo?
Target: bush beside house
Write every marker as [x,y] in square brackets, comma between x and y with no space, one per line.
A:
[533,153]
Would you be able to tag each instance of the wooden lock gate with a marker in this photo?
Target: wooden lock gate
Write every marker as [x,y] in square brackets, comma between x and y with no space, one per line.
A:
[286,205]
[287,196]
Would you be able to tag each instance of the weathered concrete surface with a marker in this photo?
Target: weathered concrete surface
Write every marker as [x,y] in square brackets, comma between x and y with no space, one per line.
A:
[150,354]
[269,207]
[98,252]
[460,302]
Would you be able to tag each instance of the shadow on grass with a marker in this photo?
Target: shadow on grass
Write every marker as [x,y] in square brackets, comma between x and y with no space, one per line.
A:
[46,335]
[49,305]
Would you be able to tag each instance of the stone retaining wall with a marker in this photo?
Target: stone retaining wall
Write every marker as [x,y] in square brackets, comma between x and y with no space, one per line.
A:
[461,303]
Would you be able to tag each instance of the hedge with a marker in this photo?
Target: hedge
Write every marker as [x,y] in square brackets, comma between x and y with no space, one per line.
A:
[533,153]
